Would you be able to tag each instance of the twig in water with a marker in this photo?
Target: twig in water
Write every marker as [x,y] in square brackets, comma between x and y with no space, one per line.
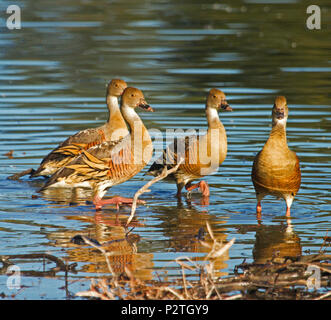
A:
[217,252]
[165,172]
[217,249]
[326,295]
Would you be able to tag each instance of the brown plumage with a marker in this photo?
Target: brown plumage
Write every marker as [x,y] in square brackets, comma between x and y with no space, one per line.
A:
[202,155]
[112,130]
[113,162]
[276,169]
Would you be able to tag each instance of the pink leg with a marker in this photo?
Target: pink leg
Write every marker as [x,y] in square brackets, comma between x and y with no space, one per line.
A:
[116,200]
[205,201]
[288,212]
[258,210]
[203,188]
[258,207]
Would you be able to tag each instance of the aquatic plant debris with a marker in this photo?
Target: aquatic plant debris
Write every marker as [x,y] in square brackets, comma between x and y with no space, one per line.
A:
[271,281]
[285,278]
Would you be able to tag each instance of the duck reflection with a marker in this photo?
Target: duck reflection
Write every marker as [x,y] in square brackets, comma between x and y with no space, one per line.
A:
[184,225]
[274,242]
[121,247]
[75,197]
[66,196]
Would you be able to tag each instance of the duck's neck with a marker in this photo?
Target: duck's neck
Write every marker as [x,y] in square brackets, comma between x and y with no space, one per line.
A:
[141,142]
[278,129]
[278,133]
[216,136]
[130,116]
[115,127]
[113,107]
[133,120]
[213,118]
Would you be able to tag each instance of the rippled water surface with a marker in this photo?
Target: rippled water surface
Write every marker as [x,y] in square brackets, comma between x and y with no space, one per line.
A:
[53,73]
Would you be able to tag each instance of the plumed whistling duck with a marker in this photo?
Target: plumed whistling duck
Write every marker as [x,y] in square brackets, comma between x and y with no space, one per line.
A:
[110,163]
[276,169]
[112,130]
[202,156]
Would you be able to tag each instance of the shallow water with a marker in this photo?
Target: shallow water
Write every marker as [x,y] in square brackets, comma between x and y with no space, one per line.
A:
[53,74]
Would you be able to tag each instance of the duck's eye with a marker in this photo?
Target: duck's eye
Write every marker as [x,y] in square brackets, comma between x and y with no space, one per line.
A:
[132,95]
[214,96]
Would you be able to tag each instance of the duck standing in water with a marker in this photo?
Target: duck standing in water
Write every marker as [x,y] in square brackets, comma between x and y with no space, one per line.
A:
[276,169]
[110,163]
[202,156]
[112,130]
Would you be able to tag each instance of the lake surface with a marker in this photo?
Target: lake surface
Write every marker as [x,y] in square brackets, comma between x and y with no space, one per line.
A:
[53,75]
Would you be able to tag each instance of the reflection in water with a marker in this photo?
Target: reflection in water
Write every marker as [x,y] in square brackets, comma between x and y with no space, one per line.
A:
[276,242]
[76,196]
[122,248]
[184,226]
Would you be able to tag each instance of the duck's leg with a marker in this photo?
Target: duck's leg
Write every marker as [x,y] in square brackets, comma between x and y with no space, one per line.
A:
[259,198]
[258,207]
[258,210]
[289,200]
[99,203]
[179,190]
[202,185]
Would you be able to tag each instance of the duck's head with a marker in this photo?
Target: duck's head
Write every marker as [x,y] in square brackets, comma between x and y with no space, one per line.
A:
[216,100]
[116,87]
[133,97]
[280,110]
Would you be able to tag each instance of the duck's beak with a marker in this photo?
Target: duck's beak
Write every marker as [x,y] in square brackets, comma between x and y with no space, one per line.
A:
[225,106]
[280,115]
[145,106]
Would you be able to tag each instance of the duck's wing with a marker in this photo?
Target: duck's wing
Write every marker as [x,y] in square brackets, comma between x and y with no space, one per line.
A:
[171,155]
[69,149]
[108,161]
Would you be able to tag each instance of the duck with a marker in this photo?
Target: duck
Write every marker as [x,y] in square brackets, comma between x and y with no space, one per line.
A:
[112,130]
[112,162]
[276,168]
[201,156]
